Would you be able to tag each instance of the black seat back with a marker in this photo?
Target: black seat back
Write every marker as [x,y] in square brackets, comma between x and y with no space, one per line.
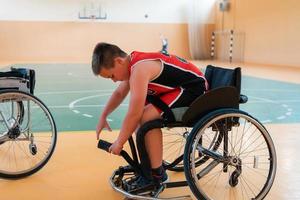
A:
[220,77]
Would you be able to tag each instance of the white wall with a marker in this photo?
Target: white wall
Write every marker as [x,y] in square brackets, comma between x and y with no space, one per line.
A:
[202,11]
[158,11]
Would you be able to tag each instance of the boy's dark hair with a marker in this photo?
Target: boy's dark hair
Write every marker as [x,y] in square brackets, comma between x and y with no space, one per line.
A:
[103,56]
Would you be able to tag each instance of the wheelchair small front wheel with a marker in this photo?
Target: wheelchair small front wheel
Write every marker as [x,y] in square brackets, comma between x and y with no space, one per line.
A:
[27,134]
[243,166]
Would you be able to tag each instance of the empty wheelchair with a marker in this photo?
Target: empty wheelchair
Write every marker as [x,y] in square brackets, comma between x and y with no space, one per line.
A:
[224,152]
[27,129]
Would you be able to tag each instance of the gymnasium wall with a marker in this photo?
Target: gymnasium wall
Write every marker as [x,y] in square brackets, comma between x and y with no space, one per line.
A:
[271,29]
[29,41]
[50,30]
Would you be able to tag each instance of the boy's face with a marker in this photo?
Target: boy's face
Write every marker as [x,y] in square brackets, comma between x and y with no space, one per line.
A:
[119,72]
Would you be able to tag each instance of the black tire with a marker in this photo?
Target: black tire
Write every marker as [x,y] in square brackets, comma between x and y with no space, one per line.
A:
[36,128]
[201,181]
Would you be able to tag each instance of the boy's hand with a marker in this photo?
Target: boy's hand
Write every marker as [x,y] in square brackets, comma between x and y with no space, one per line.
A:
[101,125]
[116,148]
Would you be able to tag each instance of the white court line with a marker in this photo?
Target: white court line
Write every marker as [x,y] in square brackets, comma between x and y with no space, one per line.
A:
[71,105]
[281,117]
[266,121]
[74,91]
[289,113]
[279,101]
[263,99]
[271,90]
[87,115]
[84,106]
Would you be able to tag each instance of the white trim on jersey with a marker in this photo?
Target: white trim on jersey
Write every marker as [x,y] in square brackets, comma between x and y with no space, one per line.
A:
[150,59]
[181,91]
[161,70]
[159,85]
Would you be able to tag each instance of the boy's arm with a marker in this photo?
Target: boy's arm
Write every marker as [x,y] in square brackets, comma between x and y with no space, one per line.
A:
[138,91]
[114,101]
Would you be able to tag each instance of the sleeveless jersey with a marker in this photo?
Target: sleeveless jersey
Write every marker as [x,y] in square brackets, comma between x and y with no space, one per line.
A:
[176,74]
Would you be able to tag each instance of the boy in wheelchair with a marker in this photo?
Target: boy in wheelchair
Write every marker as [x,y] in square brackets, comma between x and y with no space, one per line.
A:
[155,81]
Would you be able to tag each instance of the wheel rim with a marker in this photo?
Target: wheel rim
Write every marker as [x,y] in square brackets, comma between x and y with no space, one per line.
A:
[252,144]
[30,149]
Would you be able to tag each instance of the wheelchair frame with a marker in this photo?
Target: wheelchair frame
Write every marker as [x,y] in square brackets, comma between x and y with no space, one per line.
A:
[221,101]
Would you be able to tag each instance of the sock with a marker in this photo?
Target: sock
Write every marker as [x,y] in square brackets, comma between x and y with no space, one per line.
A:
[158,172]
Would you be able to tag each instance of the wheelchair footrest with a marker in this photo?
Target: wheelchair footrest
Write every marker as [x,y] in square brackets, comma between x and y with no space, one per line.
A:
[122,176]
[150,188]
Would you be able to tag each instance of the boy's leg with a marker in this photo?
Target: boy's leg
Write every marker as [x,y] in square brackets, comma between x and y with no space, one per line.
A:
[153,139]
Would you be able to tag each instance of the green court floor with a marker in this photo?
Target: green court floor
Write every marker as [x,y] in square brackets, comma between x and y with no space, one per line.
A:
[76,97]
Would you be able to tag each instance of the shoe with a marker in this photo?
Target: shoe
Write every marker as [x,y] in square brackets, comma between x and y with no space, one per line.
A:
[137,184]
[140,184]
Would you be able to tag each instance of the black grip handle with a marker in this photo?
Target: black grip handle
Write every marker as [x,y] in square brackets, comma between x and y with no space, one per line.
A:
[104,145]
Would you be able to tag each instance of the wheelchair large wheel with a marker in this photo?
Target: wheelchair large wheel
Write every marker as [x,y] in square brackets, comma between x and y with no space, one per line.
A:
[174,141]
[27,134]
[242,167]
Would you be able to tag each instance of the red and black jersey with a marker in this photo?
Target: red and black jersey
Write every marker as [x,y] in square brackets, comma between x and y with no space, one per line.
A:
[176,74]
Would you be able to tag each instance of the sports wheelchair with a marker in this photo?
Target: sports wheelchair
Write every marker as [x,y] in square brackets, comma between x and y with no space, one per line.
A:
[27,129]
[224,152]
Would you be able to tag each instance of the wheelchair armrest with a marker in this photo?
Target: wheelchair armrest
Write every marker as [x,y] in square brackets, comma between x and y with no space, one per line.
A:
[243,99]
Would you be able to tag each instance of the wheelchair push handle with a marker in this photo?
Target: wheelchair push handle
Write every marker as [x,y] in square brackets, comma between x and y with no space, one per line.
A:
[104,145]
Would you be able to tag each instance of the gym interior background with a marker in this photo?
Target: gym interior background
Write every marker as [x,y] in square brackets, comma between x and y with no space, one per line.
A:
[56,37]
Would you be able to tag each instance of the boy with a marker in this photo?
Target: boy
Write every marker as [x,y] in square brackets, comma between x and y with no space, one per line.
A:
[175,81]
